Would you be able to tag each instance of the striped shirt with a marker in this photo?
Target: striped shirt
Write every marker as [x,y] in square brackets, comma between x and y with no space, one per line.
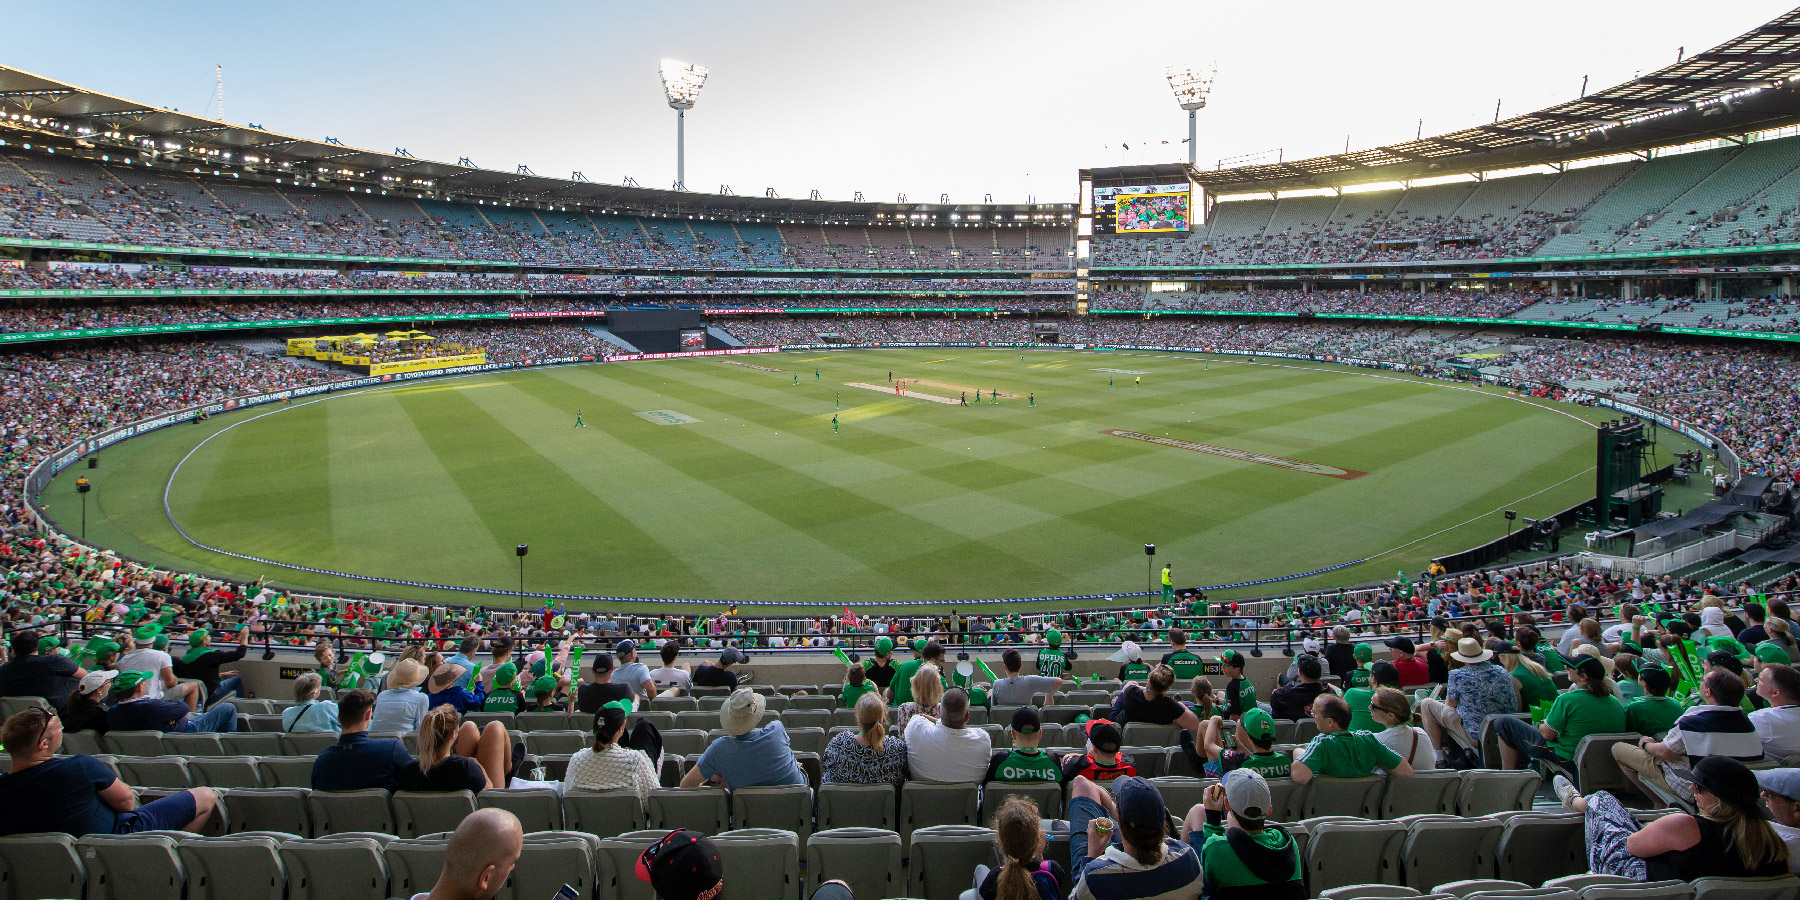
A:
[1115,875]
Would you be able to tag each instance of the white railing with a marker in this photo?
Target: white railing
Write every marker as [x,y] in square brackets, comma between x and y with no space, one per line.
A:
[1662,563]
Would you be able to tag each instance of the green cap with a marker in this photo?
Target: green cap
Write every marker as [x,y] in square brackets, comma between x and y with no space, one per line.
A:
[538,670]
[504,676]
[130,680]
[1258,725]
[918,645]
[622,704]
[199,636]
[1053,638]
[48,643]
[1770,652]
[1631,646]
[884,646]
[1729,645]
[147,632]
[1363,653]
[102,647]
[161,642]
[544,685]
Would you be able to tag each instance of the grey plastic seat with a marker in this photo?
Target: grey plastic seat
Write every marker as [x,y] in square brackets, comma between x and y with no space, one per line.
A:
[858,806]
[1655,890]
[306,743]
[481,719]
[1143,734]
[764,863]
[1487,791]
[943,856]
[1438,850]
[1595,768]
[704,809]
[421,812]
[338,867]
[285,771]
[268,809]
[1780,887]
[131,867]
[1286,799]
[237,867]
[924,804]
[1526,894]
[663,720]
[867,859]
[1369,892]
[806,718]
[1047,795]
[1463,887]
[1151,762]
[413,864]
[541,721]
[541,743]
[786,808]
[684,741]
[153,771]
[1436,791]
[40,865]
[199,744]
[1180,792]
[1536,847]
[550,860]
[251,743]
[85,743]
[704,720]
[224,771]
[807,739]
[1339,854]
[603,812]
[133,743]
[676,704]
[1587,880]
[335,812]
[814,702]
[616,863]
[270,724]
[1359,797]
[538,809]
[253,706]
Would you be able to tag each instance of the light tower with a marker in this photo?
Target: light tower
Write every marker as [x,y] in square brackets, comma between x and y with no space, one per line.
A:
[681,84]
[1191,86]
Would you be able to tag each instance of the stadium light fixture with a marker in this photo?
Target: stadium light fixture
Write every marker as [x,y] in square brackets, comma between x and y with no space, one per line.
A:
[1192,85]
[681,84]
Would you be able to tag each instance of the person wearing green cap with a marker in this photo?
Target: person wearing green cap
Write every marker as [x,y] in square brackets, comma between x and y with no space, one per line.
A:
[505,696]
[881,669]
[543,695]
[201,663]
[1252,747]
[33,674]
[139,709]
[610,764]
[1364,654]
[900,689]
[144,656]
[1052,662]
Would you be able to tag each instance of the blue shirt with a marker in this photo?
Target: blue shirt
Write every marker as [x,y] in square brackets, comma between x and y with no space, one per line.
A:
[146,715]
[761,756]
[468,668]
[60,794]
[320,715]
[357,762]
[1481,690]
[399,709]
[463,699]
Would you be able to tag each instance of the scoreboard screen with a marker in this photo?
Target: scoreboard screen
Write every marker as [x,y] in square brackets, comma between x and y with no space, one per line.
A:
[1143,209]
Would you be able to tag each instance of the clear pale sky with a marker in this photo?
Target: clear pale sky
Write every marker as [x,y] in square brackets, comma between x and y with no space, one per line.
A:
[926,98]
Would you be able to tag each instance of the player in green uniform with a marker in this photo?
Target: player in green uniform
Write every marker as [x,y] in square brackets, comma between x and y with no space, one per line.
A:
[837,399]
[834,428]
[815,374]
[1031,399]
[796,378]
[578,422]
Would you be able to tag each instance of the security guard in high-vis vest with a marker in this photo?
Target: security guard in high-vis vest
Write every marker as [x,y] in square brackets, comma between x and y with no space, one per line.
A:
[1051,661]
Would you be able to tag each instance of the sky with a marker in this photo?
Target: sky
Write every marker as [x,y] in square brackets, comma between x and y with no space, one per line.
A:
[926,98]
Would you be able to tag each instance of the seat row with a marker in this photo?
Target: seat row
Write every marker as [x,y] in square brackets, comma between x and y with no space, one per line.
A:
[1585,886]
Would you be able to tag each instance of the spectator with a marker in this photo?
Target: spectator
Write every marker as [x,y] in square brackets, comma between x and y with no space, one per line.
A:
[1025,874]
[480,857]
[1179,658]
[868,755]
[309,713]
[1755,633]
[465,658]
[1131,662]
[86,709]
[548,694]
[748,756]
[1730,838]
[357,761]
[1413,670]
[1101,759]
[946,749]
[1024,763]
[635,675]
[672,680]
[29,673]
[1381,674]
[1017,689]
[1477,689]
[719,674]
[1533,681]
[1205,700]
[609,765]
[1254,747]
[446,689]
[1340,657]
[1294,701]
[1242,856]
[78,795]
[136,710]
[1132,704]
[1655,712]
[881,668]
[401,707]
[1393,712]
[1364,657]
[685,865]
[145,656]
[1239,695]
[1778,725]
[1338,752]
[505,695]
[927,694]
[602,690]
[901,686]
[1781,792]
[1590,707]
[1132,856]
[856,685]
[201,663]
[1717,726]
[457,756]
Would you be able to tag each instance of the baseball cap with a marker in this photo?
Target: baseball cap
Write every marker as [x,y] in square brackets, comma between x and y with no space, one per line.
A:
[1591,666]
[624,647]
[1783,782]
[603,661]
[93,681]
[545,684]
[1402,644]
[1053,638]
[1363,652]
[504,676]
[1232,658]
[148,632]
[1725,660]
[102,647]
[1656,679]
[884,646]
[1258,725]
[1025,720]
[1248,795]
[731,656]
[1311,645]
[1139,802]
[1773,653]
[684,865]
[1104,735]
[1127,652]
[918,645]
[128,680]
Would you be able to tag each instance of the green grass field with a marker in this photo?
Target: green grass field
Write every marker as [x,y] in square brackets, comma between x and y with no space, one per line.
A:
[758,499]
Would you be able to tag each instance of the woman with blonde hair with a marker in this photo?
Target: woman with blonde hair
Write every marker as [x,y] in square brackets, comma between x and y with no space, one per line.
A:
[927,692]
[1730,838]
[456,756]
[868,755]
[1025,874]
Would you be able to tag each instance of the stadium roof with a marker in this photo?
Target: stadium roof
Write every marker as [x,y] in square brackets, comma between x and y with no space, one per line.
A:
[96,121]
[1747,84]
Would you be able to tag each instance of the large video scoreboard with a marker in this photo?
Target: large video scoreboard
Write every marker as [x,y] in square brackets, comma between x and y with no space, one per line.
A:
[1143,209]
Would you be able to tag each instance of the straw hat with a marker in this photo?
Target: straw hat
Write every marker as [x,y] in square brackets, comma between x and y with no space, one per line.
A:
[742,711]
[1469,650]
[445,675]
[407,673]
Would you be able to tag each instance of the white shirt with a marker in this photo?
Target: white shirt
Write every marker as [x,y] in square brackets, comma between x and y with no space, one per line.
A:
[1791,837]
[936,753]
[152,661]
[1779,728]
[669,676]
[1400,740]
[632,675]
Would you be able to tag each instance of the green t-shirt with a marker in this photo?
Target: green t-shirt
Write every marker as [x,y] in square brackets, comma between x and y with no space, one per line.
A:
[1224,869]
[502,701]
[1135,671]
[1027,766]
[1629,690]
[854,692]
[1348,754]
[1186,665]
[1051,663]
[1359,677]
[1359,700]
[902,683]
[1268,765]
[1532,689]
[1240,696]
[1577,714]
[1651,715]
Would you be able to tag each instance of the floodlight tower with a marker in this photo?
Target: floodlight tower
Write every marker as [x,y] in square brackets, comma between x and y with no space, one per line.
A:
[1191,85]
[681,84]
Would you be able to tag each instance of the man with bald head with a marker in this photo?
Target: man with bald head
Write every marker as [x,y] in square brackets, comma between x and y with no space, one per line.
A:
[480,858]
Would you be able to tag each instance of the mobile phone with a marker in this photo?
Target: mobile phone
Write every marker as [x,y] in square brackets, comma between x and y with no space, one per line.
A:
[567,893]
